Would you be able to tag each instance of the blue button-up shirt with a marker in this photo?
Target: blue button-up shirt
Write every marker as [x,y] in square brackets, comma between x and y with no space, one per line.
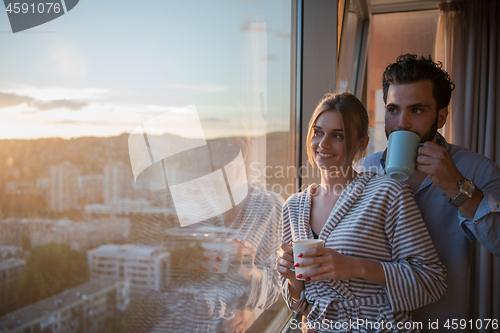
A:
[453,234]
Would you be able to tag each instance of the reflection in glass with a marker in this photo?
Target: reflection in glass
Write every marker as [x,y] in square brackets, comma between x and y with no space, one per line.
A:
[154,142]
[347,55]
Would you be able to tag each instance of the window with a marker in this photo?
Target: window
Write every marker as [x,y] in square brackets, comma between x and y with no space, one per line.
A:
[391,35]
[170,121]
[347,51]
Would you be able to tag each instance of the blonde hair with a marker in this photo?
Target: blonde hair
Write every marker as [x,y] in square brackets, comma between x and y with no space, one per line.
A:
[354,120]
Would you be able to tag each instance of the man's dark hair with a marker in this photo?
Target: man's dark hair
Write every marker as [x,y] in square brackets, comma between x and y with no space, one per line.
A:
[409,69]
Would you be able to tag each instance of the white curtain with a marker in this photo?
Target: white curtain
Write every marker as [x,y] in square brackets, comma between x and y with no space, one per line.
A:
[468,44]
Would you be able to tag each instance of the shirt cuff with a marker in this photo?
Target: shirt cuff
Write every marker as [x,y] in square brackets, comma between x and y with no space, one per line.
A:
[470,226]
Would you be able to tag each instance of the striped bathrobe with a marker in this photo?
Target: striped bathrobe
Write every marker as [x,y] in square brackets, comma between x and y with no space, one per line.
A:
[196,301]
[375,218]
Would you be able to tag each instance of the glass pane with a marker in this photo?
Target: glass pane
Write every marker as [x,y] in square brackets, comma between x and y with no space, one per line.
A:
[340,21]
[347,56]
[390,36]
[145,155]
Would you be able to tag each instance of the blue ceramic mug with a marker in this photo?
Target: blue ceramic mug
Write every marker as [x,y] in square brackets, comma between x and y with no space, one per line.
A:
[402,154]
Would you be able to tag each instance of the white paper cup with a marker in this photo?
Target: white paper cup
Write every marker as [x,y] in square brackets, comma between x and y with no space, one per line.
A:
[301,246]
[215,251]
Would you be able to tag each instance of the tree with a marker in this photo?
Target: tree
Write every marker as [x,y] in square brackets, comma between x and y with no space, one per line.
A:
[50,269]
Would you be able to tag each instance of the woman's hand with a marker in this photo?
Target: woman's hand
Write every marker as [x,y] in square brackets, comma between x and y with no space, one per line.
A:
[245,252]
[336,266]
[284,262]
[243,260]
[238,323]
[284,266]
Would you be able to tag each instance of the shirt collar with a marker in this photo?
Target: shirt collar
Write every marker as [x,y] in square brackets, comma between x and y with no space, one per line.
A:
[442,142]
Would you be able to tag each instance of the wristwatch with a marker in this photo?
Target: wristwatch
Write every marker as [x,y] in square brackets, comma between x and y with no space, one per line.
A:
[467,190]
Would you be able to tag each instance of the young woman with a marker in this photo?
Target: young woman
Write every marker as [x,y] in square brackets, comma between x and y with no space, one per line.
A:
[378,261]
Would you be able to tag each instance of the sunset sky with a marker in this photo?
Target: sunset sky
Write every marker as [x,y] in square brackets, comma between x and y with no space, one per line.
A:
[106,67]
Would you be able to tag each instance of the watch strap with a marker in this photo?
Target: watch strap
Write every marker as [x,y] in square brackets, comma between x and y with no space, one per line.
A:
[458,200]
[462,194]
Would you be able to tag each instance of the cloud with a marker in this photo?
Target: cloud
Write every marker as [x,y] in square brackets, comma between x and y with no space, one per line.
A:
[214,119]
[8,100]
[56,93]
[64,122]
[59,104]
[204,88]
[11,100]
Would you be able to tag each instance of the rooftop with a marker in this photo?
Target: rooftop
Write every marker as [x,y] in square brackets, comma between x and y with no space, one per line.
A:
[10,250]
[11,262]
[127,250]
[51,304]
[127,206]
[17,220]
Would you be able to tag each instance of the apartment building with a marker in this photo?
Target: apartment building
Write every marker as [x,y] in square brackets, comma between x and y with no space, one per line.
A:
[117,183]
[144,267]
[91,188]
[85,308]
[10,272]
[82,236]
[10,251]
[13,230]
[125,207]
[64,189]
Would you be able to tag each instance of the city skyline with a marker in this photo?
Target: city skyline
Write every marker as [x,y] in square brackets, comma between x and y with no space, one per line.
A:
[72,91]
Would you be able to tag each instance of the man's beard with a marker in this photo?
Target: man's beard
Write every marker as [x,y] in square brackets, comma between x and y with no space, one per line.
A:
[431,134]
[428,136]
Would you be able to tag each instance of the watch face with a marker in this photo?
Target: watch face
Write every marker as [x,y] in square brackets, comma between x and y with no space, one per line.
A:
[468,187]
